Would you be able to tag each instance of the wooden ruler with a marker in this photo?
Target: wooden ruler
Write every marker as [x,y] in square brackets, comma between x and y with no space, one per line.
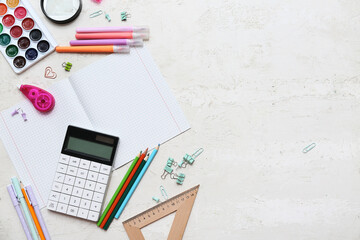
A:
[181,204]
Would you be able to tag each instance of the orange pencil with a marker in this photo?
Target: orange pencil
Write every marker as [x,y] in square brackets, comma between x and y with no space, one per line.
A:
[94,49]
[123,189]
[32,212]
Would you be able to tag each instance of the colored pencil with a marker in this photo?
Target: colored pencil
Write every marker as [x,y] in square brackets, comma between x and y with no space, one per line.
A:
[32,212]
[123,189]
[112,29]
[111,35]
[153,153]
[118,189]
[94,49]
[111,218]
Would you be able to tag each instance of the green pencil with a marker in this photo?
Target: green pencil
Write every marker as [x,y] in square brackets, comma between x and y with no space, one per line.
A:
[118,189]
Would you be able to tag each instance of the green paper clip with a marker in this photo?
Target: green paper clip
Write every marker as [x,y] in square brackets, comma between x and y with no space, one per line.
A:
[67,66]
[95,14]
[308,148]
[163,192]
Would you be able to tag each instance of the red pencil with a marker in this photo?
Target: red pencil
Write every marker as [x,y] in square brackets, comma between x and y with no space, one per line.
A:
[123,189]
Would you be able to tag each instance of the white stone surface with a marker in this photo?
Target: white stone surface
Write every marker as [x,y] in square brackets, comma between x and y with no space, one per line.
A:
[258,81]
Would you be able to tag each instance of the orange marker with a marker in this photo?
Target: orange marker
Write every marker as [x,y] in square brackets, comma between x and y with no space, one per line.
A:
[112,35]
[94,49]
[32,212]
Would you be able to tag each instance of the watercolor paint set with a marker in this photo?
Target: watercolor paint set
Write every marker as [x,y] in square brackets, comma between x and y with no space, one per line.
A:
[24,39]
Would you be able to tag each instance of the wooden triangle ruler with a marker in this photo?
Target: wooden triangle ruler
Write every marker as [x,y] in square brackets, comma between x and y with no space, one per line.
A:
[181,204]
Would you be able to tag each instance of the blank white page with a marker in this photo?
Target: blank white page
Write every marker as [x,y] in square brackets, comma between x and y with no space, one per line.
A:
[125,95]
[34,146]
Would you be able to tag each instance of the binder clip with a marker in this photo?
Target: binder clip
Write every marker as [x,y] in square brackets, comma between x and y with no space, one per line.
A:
[124,16]
[179,178]
[189,159]
[67,66]
[168,169]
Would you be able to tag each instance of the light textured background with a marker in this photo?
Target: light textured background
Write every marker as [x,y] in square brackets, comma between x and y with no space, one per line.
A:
[258,81]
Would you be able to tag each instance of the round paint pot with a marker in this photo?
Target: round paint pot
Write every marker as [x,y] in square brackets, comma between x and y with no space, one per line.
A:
[3,9]
[12,50]
[31,54]
[16,31]
[27,23]
[8,20]
[23,43]
[43,46]
[4,39]
[12,3]
[19,62]
[20,12]
[35,35]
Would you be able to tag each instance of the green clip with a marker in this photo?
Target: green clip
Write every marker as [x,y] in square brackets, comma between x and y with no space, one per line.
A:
[180,179]
[156,199]
[107,16]
[168,169]
[190,159]
[124,16]
[67,66]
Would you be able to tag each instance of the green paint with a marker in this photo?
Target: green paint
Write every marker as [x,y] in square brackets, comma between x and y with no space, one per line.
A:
[1,27]
[4,39]
[12,51]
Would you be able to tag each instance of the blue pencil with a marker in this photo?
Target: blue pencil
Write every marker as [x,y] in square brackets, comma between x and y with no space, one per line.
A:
[137,181]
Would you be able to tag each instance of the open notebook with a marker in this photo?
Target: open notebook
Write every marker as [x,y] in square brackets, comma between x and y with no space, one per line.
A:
[121,95]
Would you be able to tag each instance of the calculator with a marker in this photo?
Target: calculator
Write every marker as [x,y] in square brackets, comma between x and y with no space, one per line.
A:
[82,173]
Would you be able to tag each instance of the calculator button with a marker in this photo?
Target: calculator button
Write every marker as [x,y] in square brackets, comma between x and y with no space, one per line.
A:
[103,178]
[67,189]
[52,205]
[83,213]
[64,198]
[75,201]
[100,187]
[93,216]
[72,210]
[89,185]
[54,196]
[61,168]
[85,204]
[71,171]
[59,177]
[87,194]
[79,182]
[77,192]
[98,197]
[92,176]
[64,159]
[85,164]
[74,161]
[94,166]
[56,187]
[105,169]
[95,206]
[61,208]
[82,173]
[69,180]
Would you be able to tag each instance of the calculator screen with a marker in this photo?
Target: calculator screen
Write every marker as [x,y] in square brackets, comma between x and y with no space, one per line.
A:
[89,148]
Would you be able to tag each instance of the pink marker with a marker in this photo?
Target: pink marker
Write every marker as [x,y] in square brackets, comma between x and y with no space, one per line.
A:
[112,35]
[112,29]
[130,42]
[42,100]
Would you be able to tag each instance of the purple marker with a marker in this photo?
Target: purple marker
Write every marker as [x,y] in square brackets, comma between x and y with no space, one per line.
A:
[112,29]
[129,42]
[18,210]
[35,205]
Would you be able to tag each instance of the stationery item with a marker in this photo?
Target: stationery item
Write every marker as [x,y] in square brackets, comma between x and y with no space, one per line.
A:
[42,100]
[23,115]
[67,66]
[106,225]
[118,197]
[82,174]
[131,42]
[35,205]
[163,192]
[156,199]
[121,209]
[182,204]
[189,159]
[113,35]
[20,196]
[94,49]
[32,212]
[18,211]
[95,14]
[118,189]
[15,112]
[101,100]
[168,170]
[180,178]
[49,73]
[107,16]
[308,148]
[112,29]
[125,16]
[60,11]
[24,40]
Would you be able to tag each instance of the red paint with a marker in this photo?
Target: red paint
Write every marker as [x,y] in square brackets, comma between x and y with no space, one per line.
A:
[28,23]
[8,20]
[16,31]
[3,9]
[20,12]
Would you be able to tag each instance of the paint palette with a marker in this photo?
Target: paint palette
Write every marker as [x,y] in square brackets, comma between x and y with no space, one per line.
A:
[24,39]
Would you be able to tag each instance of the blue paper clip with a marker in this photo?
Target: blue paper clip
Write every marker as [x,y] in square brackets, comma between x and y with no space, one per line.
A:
[308,148]
[95,14]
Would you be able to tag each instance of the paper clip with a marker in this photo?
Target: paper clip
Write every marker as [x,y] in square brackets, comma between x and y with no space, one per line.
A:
[189,159]
[95,14]
[163,192]
[308,148]
[67,66]
[168,170]
[124,16]
[107,16]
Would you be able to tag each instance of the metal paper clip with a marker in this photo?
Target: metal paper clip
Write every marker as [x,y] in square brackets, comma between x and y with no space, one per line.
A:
[308,148]
[163,192]
[95,14]
[189,159]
